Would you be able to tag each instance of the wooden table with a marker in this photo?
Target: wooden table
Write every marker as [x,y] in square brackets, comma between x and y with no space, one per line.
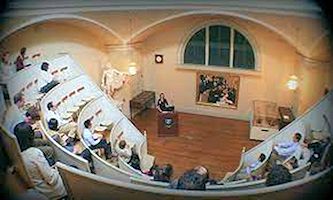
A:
[141,102]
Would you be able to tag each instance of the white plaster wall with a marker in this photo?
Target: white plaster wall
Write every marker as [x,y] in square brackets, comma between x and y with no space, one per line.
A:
[54,39]
[276,58]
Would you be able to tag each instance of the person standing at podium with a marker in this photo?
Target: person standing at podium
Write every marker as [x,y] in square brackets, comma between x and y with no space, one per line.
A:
[163,105]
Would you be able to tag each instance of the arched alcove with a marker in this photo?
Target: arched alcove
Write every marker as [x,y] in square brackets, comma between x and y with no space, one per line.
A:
[273,53]
[52,37]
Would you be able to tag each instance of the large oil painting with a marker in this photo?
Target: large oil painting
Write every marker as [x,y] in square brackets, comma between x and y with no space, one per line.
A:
[217,89]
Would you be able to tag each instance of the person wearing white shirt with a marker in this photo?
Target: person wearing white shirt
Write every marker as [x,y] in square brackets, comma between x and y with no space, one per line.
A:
[46,81]
[246,173]
[21,60]
[64,126]
[286,149]
[283,150]
[46,179]
[15,114]
[123,151]
[95,141]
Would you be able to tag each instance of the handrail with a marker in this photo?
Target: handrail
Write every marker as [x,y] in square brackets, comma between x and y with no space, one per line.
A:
[188,193]
[231,175]
[17,161]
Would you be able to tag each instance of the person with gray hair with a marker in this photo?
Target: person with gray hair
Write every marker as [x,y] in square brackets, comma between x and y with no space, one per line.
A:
[15,114]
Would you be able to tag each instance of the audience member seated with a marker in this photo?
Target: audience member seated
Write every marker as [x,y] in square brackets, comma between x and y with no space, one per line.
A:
[194,179]
[20,60]
[281,151]
[204,172]
[15,114]
[46,81]
[32,115]
[95,141]
[317,147]
[191,180]
[64,126]
[163,173]
[46,179]
[246,173]
[278,175]
[87,155]
[121,148]
[5,190]
[67,143]
[163,105]
[63,139]
[303,158]
[135,160]
[39,143]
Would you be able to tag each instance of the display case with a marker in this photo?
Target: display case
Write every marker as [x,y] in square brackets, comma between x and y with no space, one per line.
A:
[265,120]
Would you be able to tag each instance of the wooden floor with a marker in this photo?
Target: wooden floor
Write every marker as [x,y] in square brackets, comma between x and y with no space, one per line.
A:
[210,141]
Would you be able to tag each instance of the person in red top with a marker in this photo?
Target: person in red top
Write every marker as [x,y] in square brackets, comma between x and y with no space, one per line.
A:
[20,59]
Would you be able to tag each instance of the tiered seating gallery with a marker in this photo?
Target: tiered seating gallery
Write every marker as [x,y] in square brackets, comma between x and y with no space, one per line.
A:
[169,100]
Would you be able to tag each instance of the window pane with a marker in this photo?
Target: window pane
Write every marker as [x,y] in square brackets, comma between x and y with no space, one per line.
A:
[219,45]
[243,53]
[195,48]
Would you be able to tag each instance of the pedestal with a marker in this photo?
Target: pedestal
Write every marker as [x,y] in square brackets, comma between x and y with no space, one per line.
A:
[167,124]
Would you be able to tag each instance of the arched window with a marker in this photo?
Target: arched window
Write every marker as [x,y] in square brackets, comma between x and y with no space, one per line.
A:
[221,46]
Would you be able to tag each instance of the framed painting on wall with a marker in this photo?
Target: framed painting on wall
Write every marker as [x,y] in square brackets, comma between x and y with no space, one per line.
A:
[217,89]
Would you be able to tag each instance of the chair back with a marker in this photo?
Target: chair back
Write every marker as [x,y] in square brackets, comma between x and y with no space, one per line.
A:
[13,151]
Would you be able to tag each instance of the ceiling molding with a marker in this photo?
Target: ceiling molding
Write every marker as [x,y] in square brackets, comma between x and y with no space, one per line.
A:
[43,18]
[18,8]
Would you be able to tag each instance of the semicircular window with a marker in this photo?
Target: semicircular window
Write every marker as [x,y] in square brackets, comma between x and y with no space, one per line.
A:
[219,46]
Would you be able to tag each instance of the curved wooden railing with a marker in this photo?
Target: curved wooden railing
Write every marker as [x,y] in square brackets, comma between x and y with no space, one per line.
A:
[92,186]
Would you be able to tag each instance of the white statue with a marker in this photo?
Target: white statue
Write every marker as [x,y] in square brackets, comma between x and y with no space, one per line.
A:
[112,81]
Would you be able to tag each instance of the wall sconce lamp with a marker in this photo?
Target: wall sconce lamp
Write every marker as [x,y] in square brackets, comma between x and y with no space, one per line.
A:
[132,70]
[292,83]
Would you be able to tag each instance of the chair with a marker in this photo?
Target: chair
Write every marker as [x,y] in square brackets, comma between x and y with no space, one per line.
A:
[55,72]
[63,155]
[300,172]
[126,167]
[64,73]
[152,183]
[230,176]
[260,169]
[12,148]
[146,160]
[105,169]
[72,108]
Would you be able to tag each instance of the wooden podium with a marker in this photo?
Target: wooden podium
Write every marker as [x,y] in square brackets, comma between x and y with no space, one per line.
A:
[167,124]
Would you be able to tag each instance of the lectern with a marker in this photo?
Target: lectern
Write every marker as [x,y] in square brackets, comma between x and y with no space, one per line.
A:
[167,124]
